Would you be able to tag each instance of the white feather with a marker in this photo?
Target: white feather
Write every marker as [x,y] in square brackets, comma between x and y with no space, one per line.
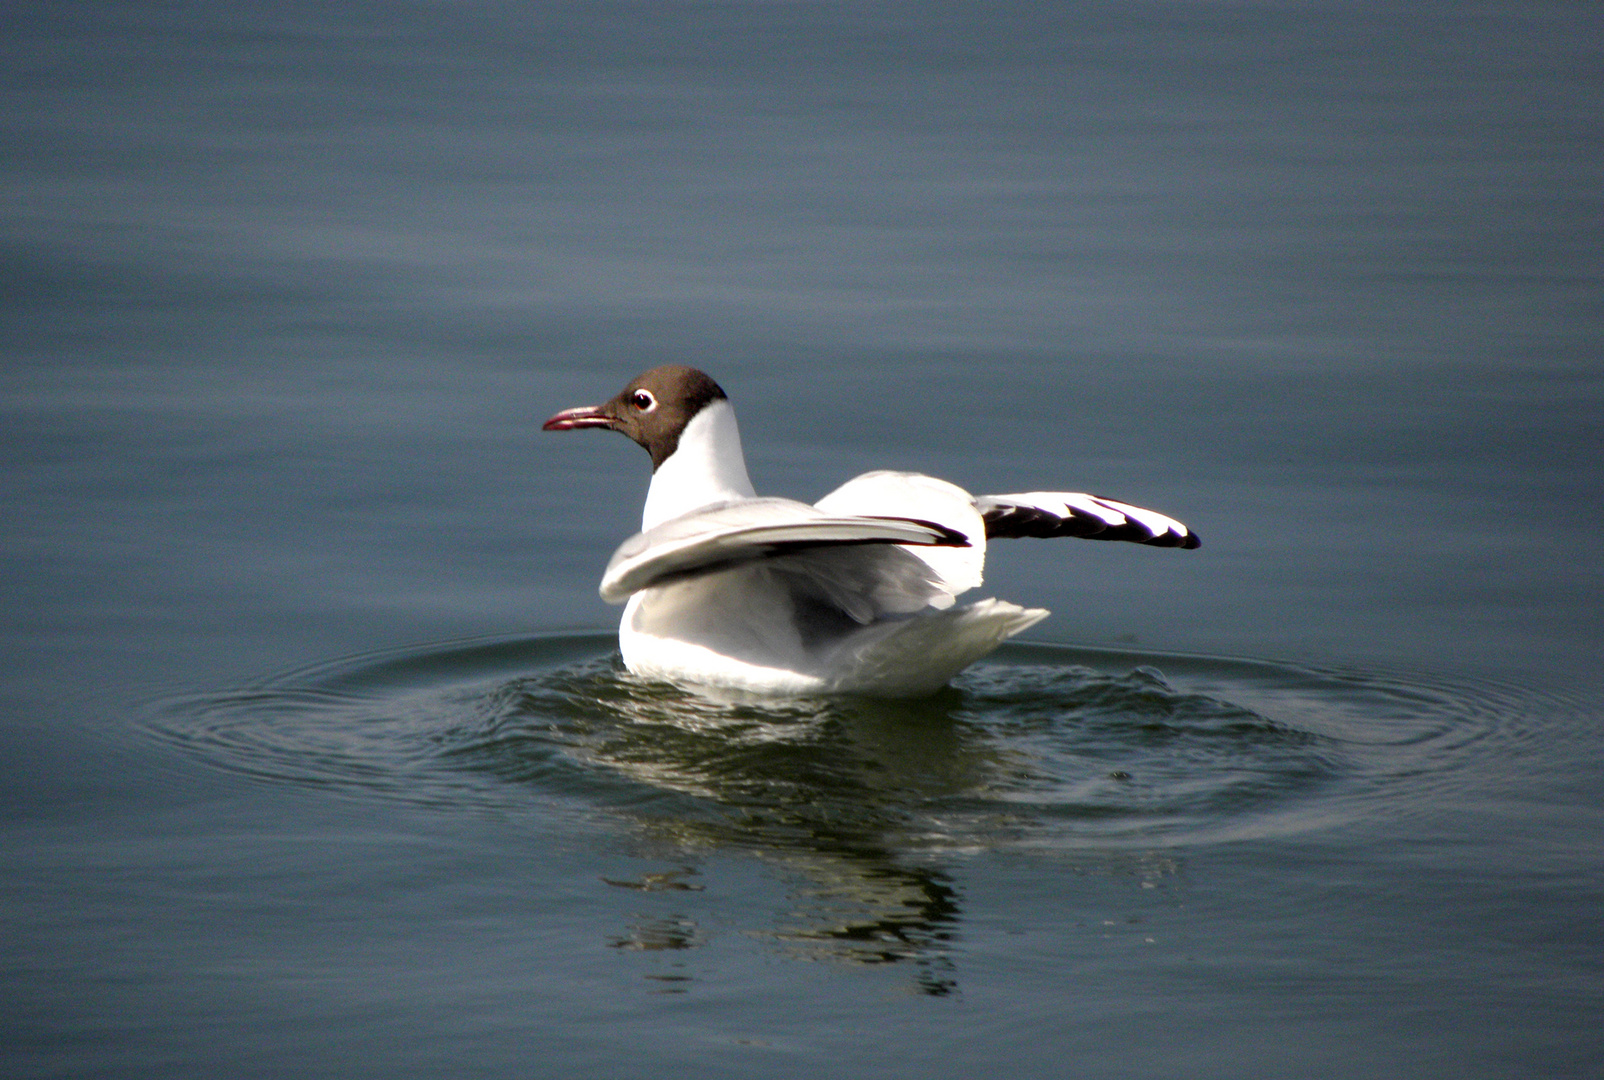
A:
[733,533]
[912,495]
[708,468]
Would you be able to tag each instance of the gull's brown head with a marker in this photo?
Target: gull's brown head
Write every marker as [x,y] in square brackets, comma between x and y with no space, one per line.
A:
[653,409]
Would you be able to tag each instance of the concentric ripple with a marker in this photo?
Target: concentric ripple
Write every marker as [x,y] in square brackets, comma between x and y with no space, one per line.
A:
[1042,747]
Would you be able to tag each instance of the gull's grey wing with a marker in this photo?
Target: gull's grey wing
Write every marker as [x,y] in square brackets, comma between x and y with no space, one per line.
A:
[736,533]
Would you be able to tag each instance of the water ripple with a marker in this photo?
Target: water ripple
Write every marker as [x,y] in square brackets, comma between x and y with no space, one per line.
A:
[1041,748]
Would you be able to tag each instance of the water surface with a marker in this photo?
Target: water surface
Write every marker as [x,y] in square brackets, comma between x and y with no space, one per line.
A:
[317,756]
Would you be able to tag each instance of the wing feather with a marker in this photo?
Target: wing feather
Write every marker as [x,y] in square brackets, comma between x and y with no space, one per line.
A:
[725,536]
[1044,514]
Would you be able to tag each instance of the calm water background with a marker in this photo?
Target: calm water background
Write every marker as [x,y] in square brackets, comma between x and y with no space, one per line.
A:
[287,290]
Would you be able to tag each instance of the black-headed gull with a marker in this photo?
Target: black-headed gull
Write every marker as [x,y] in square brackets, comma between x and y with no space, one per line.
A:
[854,594]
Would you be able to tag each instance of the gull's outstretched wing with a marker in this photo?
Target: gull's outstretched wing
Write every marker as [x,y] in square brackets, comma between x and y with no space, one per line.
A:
[1073,513]
[745,531]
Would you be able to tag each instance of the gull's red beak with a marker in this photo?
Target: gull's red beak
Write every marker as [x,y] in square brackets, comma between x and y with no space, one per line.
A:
[583,417]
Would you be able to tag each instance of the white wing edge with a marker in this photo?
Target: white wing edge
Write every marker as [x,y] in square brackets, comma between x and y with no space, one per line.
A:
[1156,523]
[634,567]
[1111,512]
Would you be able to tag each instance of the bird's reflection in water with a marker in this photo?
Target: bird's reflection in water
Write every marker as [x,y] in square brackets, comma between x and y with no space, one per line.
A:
[884,915]
[660,935]
[837,796]
[863,807]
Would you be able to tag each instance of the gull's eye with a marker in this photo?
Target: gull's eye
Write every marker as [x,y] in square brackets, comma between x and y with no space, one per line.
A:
[643,401]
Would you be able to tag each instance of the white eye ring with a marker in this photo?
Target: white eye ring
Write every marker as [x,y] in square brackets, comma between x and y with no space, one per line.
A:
[643,400]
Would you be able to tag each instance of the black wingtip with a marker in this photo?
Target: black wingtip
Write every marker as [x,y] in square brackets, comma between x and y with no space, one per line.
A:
[1011,521]
[950,537]
[1188,542]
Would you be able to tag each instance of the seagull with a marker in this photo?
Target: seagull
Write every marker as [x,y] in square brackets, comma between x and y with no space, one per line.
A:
[856,594]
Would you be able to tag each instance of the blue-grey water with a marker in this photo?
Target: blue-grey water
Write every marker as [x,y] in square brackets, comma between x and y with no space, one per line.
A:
[315,754]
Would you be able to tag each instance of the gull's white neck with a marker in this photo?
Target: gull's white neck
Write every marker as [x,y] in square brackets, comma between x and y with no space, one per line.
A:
[708,467]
